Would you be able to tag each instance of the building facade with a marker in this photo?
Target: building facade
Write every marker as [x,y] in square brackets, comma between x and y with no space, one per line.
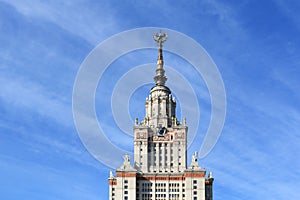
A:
[159,170]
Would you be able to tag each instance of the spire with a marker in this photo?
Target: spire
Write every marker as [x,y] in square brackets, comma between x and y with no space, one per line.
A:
[210,175]
[160,77]
[111,174]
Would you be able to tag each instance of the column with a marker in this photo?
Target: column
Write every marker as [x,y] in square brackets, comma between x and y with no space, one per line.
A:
[163,157]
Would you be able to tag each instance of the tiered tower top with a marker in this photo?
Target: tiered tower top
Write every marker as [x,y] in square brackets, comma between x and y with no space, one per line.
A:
[160,105]
[160,139]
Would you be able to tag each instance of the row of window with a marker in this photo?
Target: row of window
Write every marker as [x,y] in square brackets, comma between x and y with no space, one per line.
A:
[160,158]
[175,184]
[152,149]
[160,195]
[147,190]
[158,198]
[160,164]
[160,184]
[161,144]
[146,184]
[163,184]
[162,190]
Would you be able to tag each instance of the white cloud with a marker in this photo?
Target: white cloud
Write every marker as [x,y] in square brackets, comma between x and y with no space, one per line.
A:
[44,181]
[24,95]
[78,17]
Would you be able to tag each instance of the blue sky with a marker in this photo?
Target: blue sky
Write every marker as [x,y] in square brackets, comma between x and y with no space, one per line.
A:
[255,45]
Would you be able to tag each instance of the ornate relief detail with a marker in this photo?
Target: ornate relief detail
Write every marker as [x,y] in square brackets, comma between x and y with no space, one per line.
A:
[141,135]
[159,93]
[165,138]
[179,135]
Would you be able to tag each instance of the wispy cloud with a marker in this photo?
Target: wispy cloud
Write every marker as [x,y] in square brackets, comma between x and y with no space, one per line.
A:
[32,178]
[25,95]
[81,18]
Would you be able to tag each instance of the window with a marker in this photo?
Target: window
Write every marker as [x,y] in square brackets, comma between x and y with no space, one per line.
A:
[195,181]
[195,192]
[195,187]
[125,181]
[125,192]
[126,187]
[126,198]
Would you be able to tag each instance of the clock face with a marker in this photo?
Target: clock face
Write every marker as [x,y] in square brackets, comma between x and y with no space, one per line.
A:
[161,131]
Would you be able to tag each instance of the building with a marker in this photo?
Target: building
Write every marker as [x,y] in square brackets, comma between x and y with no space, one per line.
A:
[160,169]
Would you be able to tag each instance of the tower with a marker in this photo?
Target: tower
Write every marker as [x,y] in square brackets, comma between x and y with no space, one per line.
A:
[159,170]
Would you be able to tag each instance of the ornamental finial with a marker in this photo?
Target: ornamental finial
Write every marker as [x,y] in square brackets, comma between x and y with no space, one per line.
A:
[160,38]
